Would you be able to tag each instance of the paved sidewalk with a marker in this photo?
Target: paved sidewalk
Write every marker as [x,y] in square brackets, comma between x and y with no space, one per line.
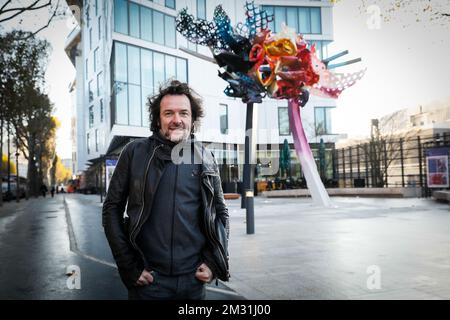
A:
[300,251]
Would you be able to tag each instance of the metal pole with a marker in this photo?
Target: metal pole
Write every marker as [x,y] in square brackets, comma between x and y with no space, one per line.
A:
[358,161]
[366,151]
[17,174]
[385,164]
[250,216]
[419,150]
[401,162]
[335,164]
[250,140]
[351,167]
[247,170]
[244,176]
[1,159]
[8,166]
[343,164]
[101,180]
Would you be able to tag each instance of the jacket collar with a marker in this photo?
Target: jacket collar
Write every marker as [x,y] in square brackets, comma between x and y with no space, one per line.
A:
[202,155]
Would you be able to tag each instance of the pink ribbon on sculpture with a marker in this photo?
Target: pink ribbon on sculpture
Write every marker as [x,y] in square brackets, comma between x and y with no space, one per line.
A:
[304,153]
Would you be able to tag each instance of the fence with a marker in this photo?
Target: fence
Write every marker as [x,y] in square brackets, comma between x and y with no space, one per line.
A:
[397,162]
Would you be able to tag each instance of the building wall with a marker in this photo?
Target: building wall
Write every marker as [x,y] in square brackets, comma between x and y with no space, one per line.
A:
[202,76]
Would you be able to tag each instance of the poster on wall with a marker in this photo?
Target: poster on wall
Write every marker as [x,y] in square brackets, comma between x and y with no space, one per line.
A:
[110,166]
[437,167]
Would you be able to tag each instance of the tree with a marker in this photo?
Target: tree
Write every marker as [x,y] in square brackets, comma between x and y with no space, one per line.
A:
[15,11]
[49,158]
[4,167]
[62,174]
[35,128]
[385,150]
[25,106]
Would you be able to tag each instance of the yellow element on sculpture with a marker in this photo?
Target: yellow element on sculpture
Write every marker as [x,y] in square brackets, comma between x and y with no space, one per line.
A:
[281,47]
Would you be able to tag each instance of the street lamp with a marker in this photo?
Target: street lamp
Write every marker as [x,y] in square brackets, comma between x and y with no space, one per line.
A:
[17,176]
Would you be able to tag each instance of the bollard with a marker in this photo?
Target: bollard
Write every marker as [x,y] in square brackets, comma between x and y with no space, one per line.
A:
[249,210]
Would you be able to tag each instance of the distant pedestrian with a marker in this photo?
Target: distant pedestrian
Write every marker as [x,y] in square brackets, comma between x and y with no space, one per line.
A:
[52,191]
[44,190]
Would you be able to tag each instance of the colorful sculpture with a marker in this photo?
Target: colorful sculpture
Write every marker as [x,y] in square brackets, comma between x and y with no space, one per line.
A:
[257,63]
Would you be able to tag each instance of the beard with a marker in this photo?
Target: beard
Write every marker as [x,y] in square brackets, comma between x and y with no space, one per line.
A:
[177,134]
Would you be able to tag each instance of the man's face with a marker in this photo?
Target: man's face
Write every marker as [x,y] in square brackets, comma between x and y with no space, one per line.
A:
[175,117]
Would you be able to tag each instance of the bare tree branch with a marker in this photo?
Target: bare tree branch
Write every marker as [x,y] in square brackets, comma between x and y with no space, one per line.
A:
[4,6]
[48,23]
[36,5]
[21,10]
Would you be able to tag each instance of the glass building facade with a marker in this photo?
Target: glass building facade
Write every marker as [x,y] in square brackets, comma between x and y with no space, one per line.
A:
[137,73]
[144,23]
[305,20]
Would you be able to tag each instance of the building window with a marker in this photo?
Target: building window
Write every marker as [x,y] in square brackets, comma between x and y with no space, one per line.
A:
[98,60]
[99,84]
[90,39]
[96,140]
[90,91]
[145,23]
[88,141]
[305,20]
[322,120]
[95,59]
[158,21]
[170,4]
[99,28]
[121,16]
[91,116]
[201,9]
[120,84]
[137,72]
[87,14]
[87,68]
[134,20]
[170,32]
[170,66]
[223,114]
[283,121]
[102,111]
[146,82]
[182,70]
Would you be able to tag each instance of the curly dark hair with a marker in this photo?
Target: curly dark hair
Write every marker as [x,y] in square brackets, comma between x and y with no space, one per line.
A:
[174,87]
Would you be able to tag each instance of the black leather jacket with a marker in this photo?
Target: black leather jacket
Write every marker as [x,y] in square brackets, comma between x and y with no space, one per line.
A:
[128,191]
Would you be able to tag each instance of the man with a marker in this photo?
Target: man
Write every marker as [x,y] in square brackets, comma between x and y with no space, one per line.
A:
[174,239]
[44,190]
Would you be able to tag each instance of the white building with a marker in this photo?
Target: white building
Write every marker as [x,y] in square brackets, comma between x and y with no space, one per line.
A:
[124,48]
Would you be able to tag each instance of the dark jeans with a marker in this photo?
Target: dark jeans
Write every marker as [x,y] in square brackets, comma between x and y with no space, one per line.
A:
[184,287]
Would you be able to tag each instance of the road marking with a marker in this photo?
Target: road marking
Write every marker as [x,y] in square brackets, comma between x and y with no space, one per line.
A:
[74,249]
[73,240]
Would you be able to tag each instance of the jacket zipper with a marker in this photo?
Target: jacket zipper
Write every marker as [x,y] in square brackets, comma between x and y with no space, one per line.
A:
[173,220]
[143,204]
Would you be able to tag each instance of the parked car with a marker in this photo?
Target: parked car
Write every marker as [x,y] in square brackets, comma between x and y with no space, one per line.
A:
[9,195]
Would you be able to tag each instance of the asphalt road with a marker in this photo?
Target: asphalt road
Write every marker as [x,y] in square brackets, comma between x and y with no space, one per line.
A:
[43,241]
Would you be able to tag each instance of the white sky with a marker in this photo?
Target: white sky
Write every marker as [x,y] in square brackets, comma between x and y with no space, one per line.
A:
[408,64]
